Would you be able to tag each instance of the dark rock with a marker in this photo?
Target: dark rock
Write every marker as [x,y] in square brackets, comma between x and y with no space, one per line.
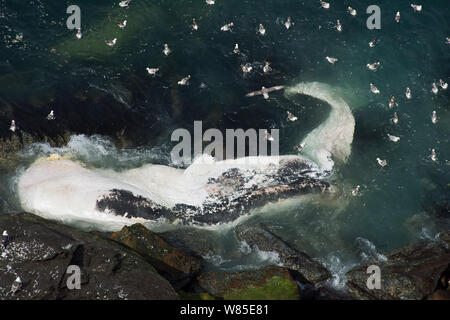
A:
[40,251]
[259,237]
[272,283]
[411,272]
[173,263]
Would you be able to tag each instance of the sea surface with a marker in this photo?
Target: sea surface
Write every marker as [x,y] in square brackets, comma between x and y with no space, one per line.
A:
[103,94]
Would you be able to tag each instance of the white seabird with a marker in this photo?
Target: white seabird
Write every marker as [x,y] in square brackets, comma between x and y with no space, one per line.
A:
[355,191]
[397,16]
[408,93]
[381,162]
[393,138]
[261,30]
[166,50]
[184,81]
[338,25]
[288,23]
[392,102]
[227,27]
[267,67]
[236,49]
[210,2]
[122,24]
[13,127]
[124,3]
[447,40]
[416,7]
[351,11]
[51,115]
[434,118]
[194,24]
[112,42]
[433,155]
[395,118]
[267,136]
[264,92]
[373,42]
[434,88]
[373,66]
[331,60]
[291,117]
[374,89]
[324,4]
[444,85]
[246,68]
[79,35]
[152,71]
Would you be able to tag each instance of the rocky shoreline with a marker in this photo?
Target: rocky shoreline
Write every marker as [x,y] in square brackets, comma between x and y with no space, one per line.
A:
[135,263]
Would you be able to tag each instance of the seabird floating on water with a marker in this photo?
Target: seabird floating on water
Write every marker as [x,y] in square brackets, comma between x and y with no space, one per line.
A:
[338,25]
[227,27]
[395,118]
[184,81]
[351,11]
[408,93]
[374,89]
[300,147]
[444,85]
[17,284]
[112,42]
[381,162]
[264,91]
[288,23]
[210,2]
[13,127]
[373,42]
[331,60]
[267,67]
[122,24]
[434,118]
[79,35]
[447,40]
[291,117]
[416,7]
[166,50]
[261,30]
[236,49]
[51,115]
[373,66]
[355,191]
[397,17]
[194,24]
[434,88]
[433,155]
[393,138]
[124,3]
[324,4]
[246,68]
[392,102]
[152,71]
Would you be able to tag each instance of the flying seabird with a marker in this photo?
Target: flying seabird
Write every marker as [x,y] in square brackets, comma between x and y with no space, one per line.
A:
[393,138]
[373,66]
[397,17]
[355,191]
[291,117]
[324,4]
[331,60]
[261,30]
[374,89]
[392,102]
[227,27]
[79,35]
[288,23]
[51,116]
[339,26]
[124,3]
[408,93]
[416,7]
[351,11]
[194,24]
[13,127]
[122,24]
[236,49]
[382,163]
[433,155]
[112,42]
[444,85]
[166,50]
[373,42]
[184,81]
[434,118]
[434,88]
[152,71]
[267,67]
[264,91]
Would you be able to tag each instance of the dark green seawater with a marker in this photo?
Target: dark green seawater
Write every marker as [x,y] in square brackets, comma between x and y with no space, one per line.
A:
[95,89]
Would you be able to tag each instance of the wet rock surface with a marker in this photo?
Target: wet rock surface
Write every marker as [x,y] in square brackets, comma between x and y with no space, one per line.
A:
[176,265]
[410,272]
[40,251]
[271,283]
[258,236]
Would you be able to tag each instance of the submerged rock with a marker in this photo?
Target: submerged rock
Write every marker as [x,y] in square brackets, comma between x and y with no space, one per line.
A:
[173,263]
[272,283]
[410,272]
[40,251]
[259,237]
